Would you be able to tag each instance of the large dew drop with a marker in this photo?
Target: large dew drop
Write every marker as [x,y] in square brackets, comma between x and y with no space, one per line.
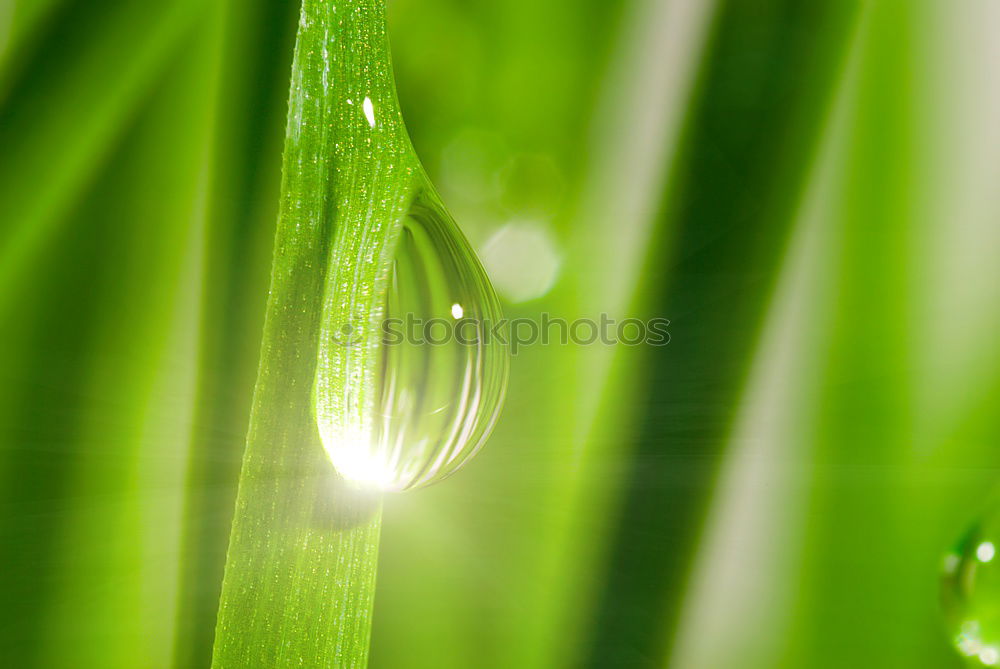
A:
[971,593]
[407,396]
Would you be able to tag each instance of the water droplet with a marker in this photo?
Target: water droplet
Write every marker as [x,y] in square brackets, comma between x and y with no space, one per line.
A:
[431,365]
[971,593]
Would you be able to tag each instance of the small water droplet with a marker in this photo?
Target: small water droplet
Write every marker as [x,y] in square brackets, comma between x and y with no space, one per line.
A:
[436,369]
[971,593]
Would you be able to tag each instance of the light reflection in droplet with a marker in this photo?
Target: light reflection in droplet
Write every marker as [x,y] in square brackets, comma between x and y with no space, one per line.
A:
[369,110]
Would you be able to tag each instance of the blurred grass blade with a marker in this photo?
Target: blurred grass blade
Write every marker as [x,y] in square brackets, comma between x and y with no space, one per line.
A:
[21,22]
[747,567]
[50,156]
[110,548]
[729,212]
[257,44]
[957,318]
[647,89]
[869,493]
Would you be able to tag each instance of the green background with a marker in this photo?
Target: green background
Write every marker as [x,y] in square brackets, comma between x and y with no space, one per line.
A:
[805,189]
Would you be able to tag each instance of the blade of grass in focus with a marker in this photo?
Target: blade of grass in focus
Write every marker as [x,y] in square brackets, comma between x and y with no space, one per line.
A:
[300,572]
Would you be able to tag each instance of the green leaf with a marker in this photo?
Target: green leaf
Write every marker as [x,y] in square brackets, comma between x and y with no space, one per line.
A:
[300,574]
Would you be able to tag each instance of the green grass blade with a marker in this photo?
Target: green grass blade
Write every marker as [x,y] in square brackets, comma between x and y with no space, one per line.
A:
[103,561]
[21,24]
[253,92]
[731,205]
[300,574]
[752,536]
[881,489]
